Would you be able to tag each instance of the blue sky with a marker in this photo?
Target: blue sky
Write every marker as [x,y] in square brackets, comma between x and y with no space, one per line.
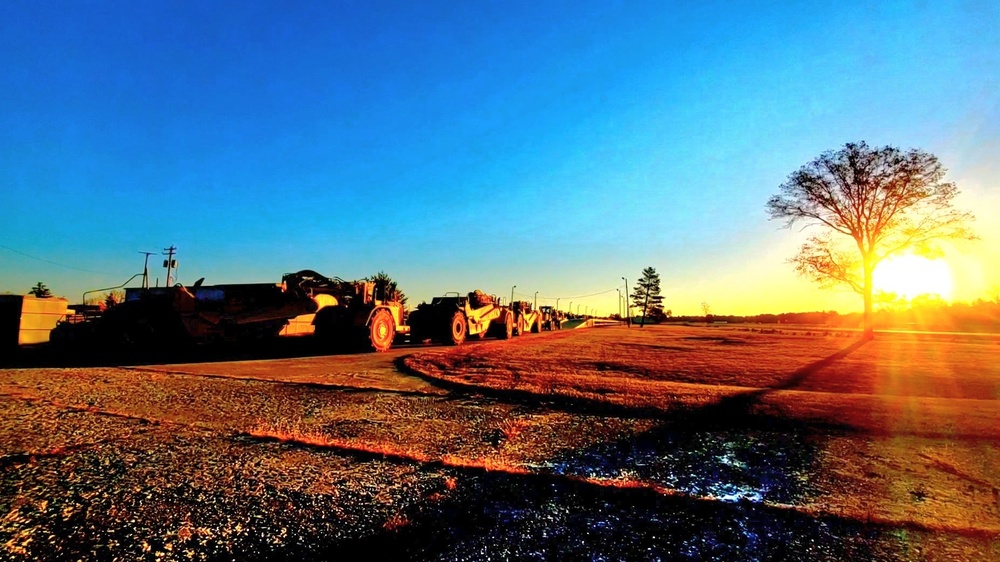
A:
[462,145]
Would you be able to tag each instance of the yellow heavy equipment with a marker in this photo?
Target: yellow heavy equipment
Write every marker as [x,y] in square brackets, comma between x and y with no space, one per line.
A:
[453,317]
[342,314]
[349,313]
[165,318]
[551,318]
[526,319]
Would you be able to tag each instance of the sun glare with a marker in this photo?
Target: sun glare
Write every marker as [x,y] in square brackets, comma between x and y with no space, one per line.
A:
[909,276]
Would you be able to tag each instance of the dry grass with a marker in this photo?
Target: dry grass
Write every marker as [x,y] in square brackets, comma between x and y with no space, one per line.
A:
[387,450]
[893,385]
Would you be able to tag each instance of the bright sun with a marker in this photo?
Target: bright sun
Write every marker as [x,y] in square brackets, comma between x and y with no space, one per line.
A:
[909,276]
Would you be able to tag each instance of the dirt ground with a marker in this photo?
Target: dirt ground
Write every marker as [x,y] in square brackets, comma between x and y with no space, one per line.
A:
[675,442]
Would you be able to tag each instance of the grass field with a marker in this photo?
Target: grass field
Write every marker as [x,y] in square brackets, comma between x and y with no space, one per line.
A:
[612,443]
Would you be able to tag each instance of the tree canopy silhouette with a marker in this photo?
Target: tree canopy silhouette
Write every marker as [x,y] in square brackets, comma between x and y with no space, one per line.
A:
[40,291]
[392,291]
[883,199]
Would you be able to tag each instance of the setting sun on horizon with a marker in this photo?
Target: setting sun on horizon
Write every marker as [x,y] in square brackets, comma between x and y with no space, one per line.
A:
[910,275]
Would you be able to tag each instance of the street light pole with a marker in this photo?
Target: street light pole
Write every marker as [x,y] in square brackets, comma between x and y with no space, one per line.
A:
[557,304]
[628,307]
[619,302]
[571,307]
[511,303]
[536,300]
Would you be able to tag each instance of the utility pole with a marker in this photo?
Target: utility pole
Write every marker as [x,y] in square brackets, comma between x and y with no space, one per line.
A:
[145,270]
[557,304]
[169,263]
[619,302]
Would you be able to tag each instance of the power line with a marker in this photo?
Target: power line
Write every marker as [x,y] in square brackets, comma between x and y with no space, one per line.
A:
[568,298]
[8,248]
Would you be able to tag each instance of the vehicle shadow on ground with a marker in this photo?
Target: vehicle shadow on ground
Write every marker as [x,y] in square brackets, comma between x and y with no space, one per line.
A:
[733,474]
[280,348]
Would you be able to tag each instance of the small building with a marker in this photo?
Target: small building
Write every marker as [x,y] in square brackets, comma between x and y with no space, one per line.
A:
[26,319]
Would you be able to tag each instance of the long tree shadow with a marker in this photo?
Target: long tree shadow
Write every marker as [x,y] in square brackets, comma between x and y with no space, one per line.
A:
[727,411]
[738,408]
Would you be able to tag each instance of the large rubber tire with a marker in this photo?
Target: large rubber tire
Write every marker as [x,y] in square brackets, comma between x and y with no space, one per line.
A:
[508,326]
[537,326]
[457,329]
[381,330]
[519,326]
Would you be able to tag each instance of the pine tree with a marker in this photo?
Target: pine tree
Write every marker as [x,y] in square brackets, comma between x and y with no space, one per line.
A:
[646,295]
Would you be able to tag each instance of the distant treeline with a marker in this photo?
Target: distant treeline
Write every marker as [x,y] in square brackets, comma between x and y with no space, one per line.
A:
[930,315]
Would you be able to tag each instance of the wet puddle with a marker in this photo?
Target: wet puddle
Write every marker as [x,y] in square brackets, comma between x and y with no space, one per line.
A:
[732,479]
[727,465]
[504,517]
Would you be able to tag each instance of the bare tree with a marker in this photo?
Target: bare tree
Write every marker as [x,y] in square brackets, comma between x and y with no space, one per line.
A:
[113,298]
[883,199]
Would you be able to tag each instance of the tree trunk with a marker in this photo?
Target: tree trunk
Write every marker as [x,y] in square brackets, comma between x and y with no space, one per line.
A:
[869,330]
[642,323]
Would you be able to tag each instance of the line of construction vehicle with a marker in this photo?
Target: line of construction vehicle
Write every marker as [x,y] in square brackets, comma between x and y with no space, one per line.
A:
[338,314]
